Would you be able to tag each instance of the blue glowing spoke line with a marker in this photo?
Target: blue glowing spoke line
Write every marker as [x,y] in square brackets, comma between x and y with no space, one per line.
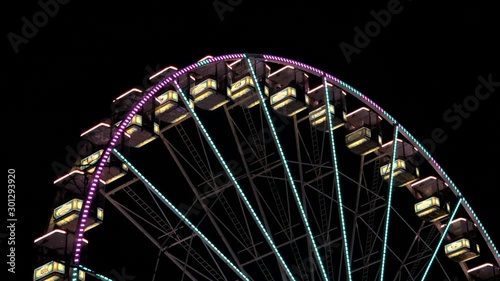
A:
[337,180]
[235,183]
[491,244]
[430,159]
[91,272]
[438,247]
[389,200]
[287,169]
[181,216]
[457,192]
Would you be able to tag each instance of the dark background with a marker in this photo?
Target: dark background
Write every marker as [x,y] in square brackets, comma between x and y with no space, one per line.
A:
[425,60]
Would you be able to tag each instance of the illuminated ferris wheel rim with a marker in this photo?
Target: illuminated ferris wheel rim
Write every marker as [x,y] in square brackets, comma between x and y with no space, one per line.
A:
[284,61]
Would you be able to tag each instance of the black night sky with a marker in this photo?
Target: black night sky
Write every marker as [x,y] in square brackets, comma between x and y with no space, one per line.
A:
[422,65]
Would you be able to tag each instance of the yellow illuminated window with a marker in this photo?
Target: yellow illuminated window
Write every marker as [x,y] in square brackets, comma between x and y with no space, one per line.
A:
[47,269]
[245,81]
[68,207]
[81,275]
[162,108]
[203,96]
[318,121]
[426,204]
[361,133]
[136,120]
[156,128]
[100,214]
[386,169]
[169,95]
[283,94]
[320,112]
[209,84]
[457,245]
[91,159]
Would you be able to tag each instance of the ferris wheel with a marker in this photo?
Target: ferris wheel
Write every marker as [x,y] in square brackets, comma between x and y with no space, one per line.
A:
[257,167]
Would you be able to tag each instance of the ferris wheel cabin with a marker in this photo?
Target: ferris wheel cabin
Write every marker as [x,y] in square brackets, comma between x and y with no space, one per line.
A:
[58,243]
[55,271]
[139,131]
[432,205]
[169,109]
[166,105]
[77,178]
[364,134]
[66,215]
[315,99]
[405,170]
[463,243]
[288,89]
[485,272]
[212,86]
[242,90]
[206,86]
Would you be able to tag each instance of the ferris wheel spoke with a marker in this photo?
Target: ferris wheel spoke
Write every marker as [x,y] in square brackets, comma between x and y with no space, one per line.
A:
[305,200]
[204,239]
[472,215]
[146,233]
[441,239]
[287,170]
[240,192]
[356,205]
[202,202]
[389,201]
[265,234]
[404,260]
[346,254]
[246,168]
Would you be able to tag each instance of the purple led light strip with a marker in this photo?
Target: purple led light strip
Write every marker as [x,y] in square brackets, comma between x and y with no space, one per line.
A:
[404,132]
[167,80]
[118,134]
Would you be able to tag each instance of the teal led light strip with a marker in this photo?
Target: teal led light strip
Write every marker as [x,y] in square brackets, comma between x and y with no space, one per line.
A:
[289,174]
[181,216]
[235,183]
[424,151]
[337,181]
[484,230]
[438,247]
[389,200]
[458,193]
[90,271]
